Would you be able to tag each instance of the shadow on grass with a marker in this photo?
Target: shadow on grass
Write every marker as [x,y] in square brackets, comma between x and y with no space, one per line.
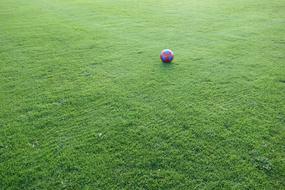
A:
[168,66]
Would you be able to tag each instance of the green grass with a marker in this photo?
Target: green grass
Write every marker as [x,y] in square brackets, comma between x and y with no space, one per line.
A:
[85,102]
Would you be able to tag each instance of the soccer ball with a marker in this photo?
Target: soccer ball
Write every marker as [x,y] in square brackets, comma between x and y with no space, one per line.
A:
[166,56]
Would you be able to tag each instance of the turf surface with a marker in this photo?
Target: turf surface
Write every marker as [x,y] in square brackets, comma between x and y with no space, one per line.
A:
[87,104]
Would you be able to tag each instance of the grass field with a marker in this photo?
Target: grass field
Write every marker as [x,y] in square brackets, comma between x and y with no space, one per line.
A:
[87,104]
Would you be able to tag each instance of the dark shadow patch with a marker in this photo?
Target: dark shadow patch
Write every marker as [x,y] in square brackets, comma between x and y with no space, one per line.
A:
[167,65]
[282,80]
[261,162]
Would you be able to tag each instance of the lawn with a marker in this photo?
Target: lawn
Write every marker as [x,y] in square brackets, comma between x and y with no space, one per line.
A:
[85,102]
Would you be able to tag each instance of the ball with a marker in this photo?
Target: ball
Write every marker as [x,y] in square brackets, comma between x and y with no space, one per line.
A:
[166,56]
